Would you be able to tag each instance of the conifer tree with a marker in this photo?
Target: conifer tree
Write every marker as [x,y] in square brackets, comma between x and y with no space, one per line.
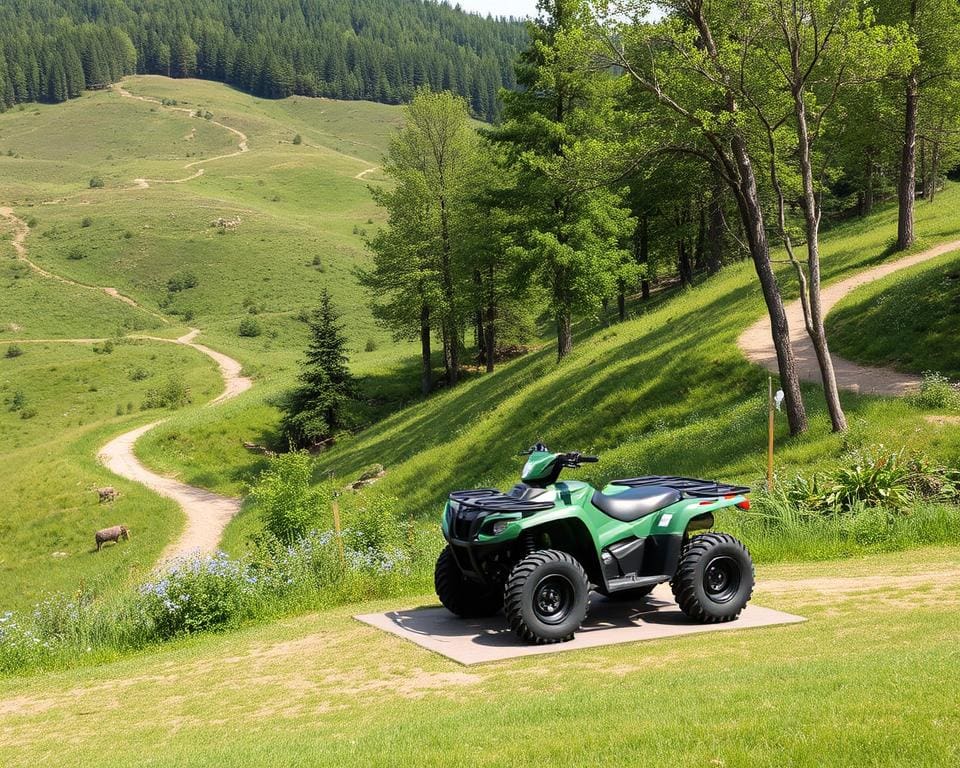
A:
[316,409]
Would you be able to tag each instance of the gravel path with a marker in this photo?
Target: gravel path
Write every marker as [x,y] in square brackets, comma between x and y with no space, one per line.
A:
[757,341]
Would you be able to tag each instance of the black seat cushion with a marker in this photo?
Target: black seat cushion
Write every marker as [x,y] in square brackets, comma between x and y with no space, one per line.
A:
[634,503]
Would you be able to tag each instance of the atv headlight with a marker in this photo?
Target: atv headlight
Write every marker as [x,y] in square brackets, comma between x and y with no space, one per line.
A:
[499,527]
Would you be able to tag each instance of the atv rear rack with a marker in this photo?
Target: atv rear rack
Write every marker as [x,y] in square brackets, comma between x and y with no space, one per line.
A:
[688,486]
[492,500]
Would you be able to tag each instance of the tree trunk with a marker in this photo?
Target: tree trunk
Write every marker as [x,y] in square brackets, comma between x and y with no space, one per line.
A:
[622,303]
[684,266]
[867,207]
[451,335]
[564,333]
[715,229]
[751,216]
[908,167]
[642,253]
[426,375]
[934,170]
[811,214]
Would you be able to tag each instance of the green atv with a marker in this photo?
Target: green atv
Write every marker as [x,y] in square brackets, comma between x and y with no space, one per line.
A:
[538,550]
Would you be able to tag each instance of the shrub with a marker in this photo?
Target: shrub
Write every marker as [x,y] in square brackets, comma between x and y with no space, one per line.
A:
[197,593]
[171,394]
[128,235]
[298,139]
[289,504]
[936,392]
[103,349]
[32,222]
[96,183]
[370,346]
[14,350]
[28,412]
[76,253]
[18,401]
[249,327]
[86,222]
[181,281]
[139,374]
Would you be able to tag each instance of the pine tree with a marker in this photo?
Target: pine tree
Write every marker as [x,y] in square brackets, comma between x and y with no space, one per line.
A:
[316,409]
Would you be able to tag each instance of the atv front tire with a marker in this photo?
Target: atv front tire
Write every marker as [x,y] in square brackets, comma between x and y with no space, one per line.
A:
[464,598]
[546,597]
[714,578]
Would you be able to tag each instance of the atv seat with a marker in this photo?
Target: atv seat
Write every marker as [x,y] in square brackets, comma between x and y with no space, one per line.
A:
[634,503]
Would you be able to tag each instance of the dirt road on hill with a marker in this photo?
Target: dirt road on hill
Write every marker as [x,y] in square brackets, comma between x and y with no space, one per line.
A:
[242,145]
[207,513]
[757,343]
[20,232]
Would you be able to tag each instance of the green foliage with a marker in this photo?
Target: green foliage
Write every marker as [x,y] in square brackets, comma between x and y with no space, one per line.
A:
[86,221]
[181,281]
[18,401]
[96,182]
[13,350]
[370,346]
[937,392]
[173,393]
[873,478]
[249,327]
[76,253]
[297,140]
[316,409]
[288,503]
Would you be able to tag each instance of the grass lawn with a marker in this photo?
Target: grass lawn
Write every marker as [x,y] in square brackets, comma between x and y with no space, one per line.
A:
[909,320]
[870,679]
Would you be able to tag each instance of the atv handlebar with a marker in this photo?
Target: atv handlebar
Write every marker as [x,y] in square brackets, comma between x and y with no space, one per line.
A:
[569,459]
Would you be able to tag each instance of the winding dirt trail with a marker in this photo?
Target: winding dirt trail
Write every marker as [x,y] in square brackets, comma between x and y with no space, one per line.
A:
[242,144]
[20,232]
[756,342]
[207,513]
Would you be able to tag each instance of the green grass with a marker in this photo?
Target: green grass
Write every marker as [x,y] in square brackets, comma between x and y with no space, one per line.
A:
[323,690]
[50,509]
[909,320]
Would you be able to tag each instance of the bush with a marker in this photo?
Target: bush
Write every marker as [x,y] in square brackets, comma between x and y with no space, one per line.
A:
[28,412]
[128,235]
[370,346]
[76,253]
[103,349]
[290,506]
[196,594]
[139,374]
[172,394]
[249,327]
[298,139]
[32,222]
[96,183]
[18,401]
[936,392]
[181,281]
[86,222]
[13,350]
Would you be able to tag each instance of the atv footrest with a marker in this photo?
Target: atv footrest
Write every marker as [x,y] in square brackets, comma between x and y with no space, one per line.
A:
[633,582]
[688,486]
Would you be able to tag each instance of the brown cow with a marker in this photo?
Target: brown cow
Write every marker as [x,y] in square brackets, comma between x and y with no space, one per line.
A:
[113,534]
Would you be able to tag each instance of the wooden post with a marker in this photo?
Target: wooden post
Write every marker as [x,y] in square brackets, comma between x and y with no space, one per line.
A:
[770,434]
[335,507]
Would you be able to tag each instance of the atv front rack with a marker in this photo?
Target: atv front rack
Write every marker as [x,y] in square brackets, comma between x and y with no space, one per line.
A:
[688,486]
[492,500]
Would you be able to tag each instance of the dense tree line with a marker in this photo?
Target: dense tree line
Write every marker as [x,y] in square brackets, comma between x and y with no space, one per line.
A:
[637,150]
[381,50]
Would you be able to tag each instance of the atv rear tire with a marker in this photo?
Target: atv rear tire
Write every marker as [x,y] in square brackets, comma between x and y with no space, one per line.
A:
[714,578]
[546,597]
[464,598]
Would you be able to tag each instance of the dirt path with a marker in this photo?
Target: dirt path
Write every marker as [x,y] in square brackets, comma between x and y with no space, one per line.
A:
[363,174]
[757,343]
[242,145]
[20,232]
[207,513]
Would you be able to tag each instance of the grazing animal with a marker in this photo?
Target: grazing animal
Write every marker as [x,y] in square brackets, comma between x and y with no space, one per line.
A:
[107,494]
[113,534]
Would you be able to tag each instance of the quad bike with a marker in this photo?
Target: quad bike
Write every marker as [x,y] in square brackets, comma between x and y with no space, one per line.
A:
[537,551]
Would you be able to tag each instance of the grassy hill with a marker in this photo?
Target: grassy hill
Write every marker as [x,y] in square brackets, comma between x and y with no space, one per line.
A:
[909,321]
[302,214]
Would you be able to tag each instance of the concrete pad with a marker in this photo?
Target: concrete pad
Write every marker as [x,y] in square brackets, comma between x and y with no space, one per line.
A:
[474,641]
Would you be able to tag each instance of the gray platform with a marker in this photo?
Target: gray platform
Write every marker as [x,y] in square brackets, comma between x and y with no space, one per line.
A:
[473,641]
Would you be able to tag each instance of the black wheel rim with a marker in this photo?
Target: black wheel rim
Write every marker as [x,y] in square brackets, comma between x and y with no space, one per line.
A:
[553,599]
[721,579]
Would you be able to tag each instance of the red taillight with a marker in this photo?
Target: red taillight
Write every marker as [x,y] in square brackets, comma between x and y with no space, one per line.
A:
[745,504]
[708,503]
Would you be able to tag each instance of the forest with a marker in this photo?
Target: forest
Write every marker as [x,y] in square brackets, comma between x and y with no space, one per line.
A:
[640,152]
[379,50]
